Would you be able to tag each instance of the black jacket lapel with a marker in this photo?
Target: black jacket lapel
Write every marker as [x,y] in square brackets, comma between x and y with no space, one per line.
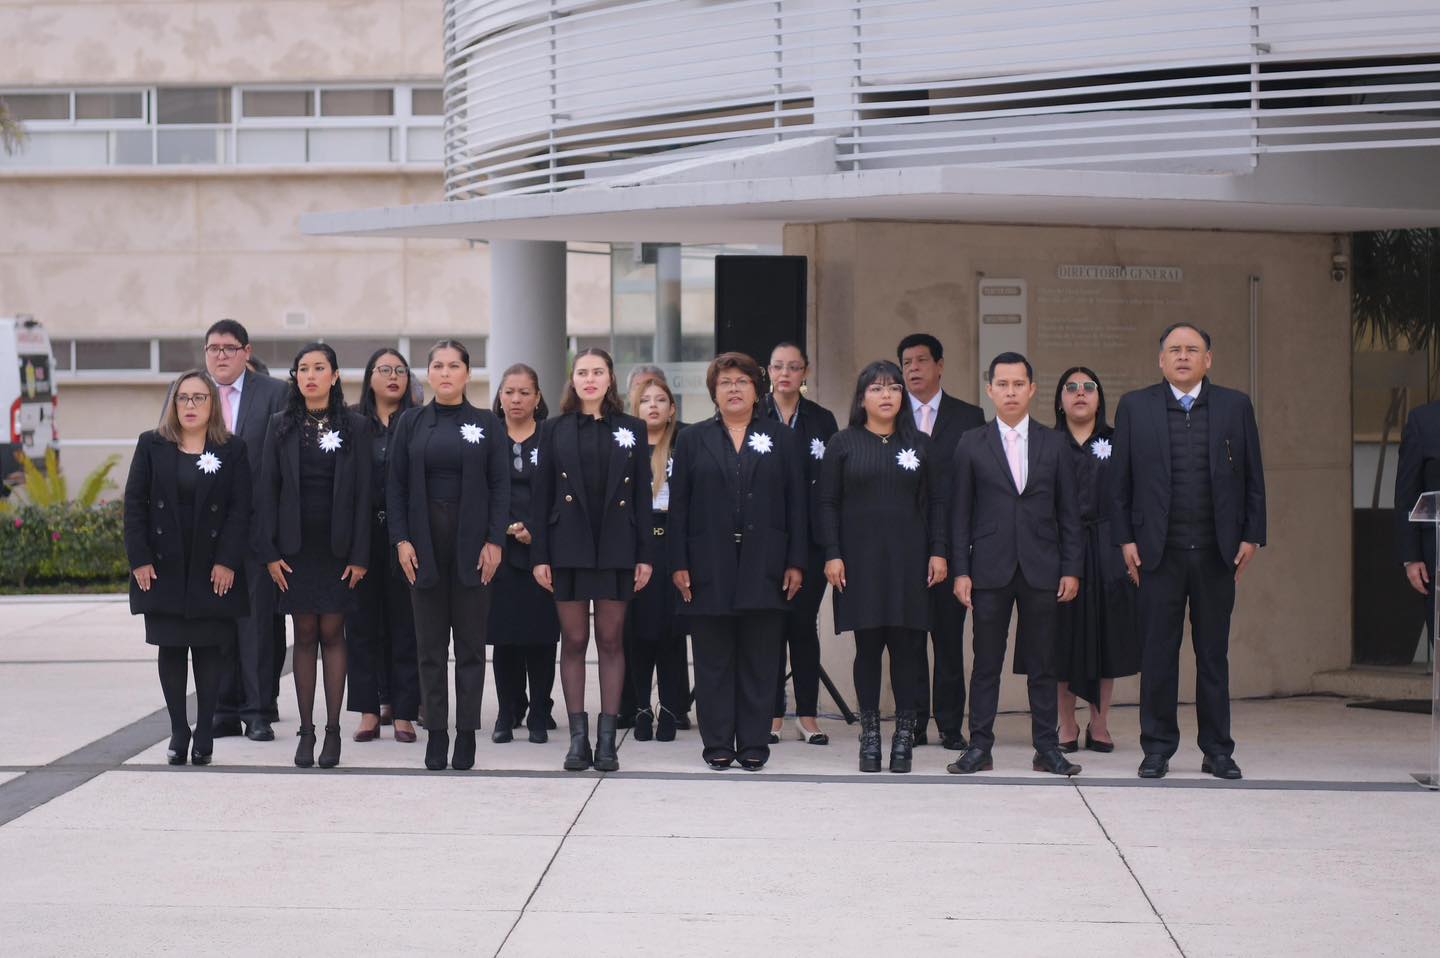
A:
[1159,418]
[619,460]
[996,442]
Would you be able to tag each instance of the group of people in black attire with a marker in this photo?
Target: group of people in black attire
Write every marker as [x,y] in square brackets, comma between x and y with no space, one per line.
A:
[393,532]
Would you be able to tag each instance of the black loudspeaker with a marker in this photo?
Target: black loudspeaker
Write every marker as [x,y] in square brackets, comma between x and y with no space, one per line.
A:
[759,302]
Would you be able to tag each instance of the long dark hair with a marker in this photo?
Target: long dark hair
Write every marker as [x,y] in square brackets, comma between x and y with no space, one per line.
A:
[367,394]
[1101,426]
[521,369]
[885,372]
[610,403]
[295,400]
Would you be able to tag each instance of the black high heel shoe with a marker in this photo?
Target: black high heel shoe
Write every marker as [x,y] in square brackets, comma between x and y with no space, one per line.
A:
[175,754]
[305,751]
[1095,745]
[330,751]
[198,758]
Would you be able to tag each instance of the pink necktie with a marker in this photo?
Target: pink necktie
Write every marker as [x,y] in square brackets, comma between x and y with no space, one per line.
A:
[225,393]
[1017,462]
[925,424]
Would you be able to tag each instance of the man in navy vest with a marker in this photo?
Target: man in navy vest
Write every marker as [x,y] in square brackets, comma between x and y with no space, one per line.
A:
[1189,514]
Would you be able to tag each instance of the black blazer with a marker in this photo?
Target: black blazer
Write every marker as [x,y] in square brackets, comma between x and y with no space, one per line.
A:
[814,428]
[725,580]
[260,398]
[565,537]
[484,491]
[994,528]
[1418,471]
[221,528]
[277,494]
[954,418]
[1141,471]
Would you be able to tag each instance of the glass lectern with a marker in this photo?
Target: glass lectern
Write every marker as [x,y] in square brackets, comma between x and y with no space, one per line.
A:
[1427,511]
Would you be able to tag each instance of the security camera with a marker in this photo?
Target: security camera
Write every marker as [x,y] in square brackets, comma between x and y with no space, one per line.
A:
[1339,267]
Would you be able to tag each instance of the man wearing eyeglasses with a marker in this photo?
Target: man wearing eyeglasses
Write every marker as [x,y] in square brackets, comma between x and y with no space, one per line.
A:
[944,419]
[250,687]
[1189,514]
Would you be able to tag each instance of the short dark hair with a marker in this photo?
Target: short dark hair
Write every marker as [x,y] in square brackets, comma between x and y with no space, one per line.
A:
[740,361]
[1182,325]
[1008,359]
[228,327]
[937,352]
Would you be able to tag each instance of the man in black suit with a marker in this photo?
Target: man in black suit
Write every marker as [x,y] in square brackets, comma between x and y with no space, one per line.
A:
[1418,472]
[1189,512]
[251,683]
[943,418]
[1017,545]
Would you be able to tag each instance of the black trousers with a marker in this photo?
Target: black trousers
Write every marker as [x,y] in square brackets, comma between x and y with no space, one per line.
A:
[249,683]
[802,635]
[947,638]
[665,662]
[1035,639]
[1205,580]
[450,608]
[515,666]
[907,679]
[380,637]
[735,660]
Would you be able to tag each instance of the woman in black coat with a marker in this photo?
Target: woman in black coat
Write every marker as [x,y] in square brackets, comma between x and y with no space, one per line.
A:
[882,519]
[1099,633]
[447,503]
[187,507]
[380,631]
[524,628]
[312,531]
[738,546]
[813,426]
[592,545]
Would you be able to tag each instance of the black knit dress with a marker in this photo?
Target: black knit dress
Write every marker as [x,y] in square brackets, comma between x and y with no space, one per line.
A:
[882,512]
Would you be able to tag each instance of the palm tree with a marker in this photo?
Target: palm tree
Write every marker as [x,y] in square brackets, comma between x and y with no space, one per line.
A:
[12,134]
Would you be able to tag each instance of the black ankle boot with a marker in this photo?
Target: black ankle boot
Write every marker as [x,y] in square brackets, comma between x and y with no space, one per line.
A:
[665,726]
[579,758]
[464,757]
[504,731]
[644,725]
[902,744]
[869,740]
[305,751]
[606,758]
[330,751]
[437,749]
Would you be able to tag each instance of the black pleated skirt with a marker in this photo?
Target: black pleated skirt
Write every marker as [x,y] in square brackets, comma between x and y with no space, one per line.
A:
[588,585]
[177,631]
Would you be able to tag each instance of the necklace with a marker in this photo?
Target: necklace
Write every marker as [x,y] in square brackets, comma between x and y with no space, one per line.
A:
[320,420]
[884,439]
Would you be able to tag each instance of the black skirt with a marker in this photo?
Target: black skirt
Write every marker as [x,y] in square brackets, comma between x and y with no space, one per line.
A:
[314,581]
[587,585]
[652,611]
[1099,632]
[521,612]
[177,631]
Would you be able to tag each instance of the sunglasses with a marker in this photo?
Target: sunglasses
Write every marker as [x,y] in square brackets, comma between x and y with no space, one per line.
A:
[1087,385]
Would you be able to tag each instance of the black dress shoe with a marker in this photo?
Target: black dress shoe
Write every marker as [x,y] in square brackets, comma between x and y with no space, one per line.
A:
[259,730]
[1221,766]
[920,738]
[225,728]
[953,741]
[504,732]
[682,721]
[1093,744]
[973,760]
[1052,760]
[665,725]
[644,725]
[464,757]
[179,743]
[199,758]
[437,749]
[539,735]
[1154,766]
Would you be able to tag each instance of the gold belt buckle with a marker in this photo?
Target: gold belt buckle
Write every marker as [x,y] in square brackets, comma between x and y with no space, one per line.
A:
[659,530]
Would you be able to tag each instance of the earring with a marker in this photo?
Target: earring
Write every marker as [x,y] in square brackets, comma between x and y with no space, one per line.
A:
[804,386]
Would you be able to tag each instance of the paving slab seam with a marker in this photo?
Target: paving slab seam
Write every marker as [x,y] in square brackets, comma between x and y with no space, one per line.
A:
[1080,791]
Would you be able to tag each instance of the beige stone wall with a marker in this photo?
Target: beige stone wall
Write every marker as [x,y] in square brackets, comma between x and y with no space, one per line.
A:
[873,282]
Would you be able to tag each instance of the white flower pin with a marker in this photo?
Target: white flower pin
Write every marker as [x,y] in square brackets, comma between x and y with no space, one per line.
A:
[907,459]
[817,449]
[1100,448]
[624,438]
[535,456]
[472,433]
[761,442]
[669,467]
[331,441]
[208,463]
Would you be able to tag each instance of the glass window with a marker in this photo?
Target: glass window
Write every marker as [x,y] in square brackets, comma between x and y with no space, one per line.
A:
[428,102]
[38,106]
[111,354]
[192,146]
[192,105]
[132,148]
[355,353]
[178,355]
[63,148]
[277,353]
[350,146]
[270,146]
[109,106]
[378,102]
[277,103]
[61,349]
[426,144]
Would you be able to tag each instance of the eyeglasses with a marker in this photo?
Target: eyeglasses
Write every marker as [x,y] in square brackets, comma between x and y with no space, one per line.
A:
[192,400]
[387,370]
[740,383]
[226,351]
[518,449]
[787,367]
[1087,385]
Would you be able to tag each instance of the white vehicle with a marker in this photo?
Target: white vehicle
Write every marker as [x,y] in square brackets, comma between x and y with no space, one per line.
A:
[27,392]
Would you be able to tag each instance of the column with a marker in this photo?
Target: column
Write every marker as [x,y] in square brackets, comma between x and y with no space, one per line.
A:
[527,313]
[667,303]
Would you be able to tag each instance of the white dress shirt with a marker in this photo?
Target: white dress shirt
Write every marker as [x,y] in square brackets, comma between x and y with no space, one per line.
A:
[1193,394]
[1022,429]
[238,386]
[933,405]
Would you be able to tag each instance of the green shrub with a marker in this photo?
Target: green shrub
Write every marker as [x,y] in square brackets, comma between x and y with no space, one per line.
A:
[65,542]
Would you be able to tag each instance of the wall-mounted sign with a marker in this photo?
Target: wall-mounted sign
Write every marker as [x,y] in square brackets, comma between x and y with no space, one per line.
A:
[1125,274]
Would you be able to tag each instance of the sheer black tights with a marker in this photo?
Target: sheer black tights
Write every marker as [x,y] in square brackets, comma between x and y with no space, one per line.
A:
[172,661]
[316,636]
[609,644]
